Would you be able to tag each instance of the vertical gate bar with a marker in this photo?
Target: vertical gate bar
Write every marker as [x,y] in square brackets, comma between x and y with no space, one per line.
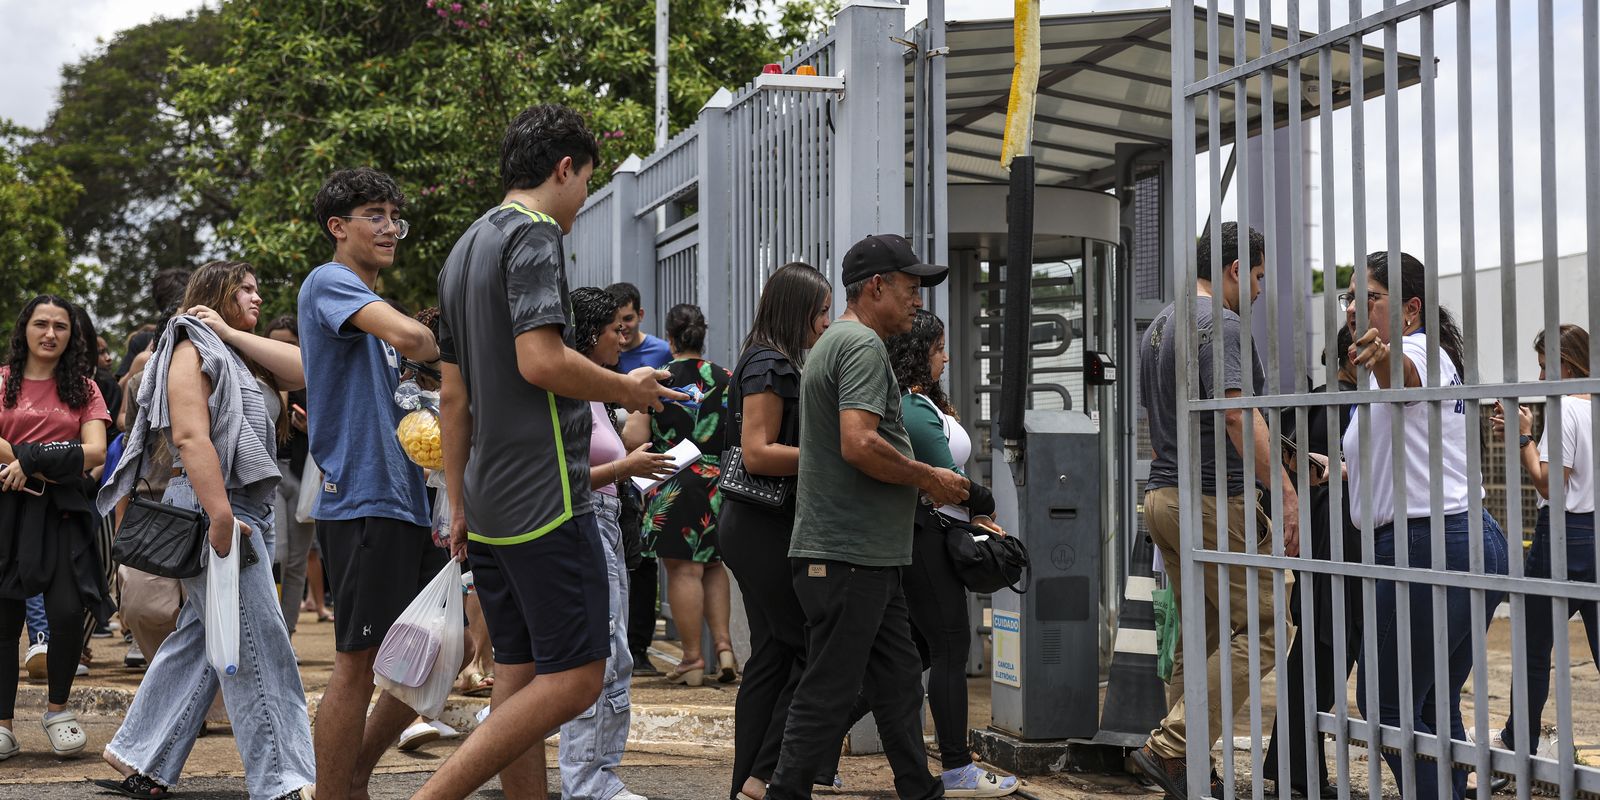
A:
[1436,500]
[1591,137]
[1400,526]
[1183,262]
[1275,489]
[1333,318]
[919,143]
[1358,231]
[1554,416]
[1512,525]
[1307,615]
[1242,177]
[1469,328]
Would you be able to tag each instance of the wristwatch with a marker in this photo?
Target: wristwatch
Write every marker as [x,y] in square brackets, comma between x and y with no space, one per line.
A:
[1525,441]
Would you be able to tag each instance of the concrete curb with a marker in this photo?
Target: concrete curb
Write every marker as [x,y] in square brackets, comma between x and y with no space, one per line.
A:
[706,726]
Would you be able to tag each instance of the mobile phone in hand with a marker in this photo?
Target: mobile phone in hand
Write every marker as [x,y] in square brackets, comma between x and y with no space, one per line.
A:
[33,486]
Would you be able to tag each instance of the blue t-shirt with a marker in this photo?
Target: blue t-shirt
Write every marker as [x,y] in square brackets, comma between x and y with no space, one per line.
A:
[350,381]
[652,352]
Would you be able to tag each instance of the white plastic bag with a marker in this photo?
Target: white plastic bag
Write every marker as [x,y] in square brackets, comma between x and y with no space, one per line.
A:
[310,487]
[222,608]
[421,654]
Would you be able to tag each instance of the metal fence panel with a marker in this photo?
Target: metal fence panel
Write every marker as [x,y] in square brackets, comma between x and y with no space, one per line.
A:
[1439,587]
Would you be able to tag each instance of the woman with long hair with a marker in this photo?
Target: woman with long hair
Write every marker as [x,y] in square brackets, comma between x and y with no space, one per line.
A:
[680,518]
[934,593]
[52,432]
[592,744]
[211,393]
[1373,504]
[1577,460]
[764,399]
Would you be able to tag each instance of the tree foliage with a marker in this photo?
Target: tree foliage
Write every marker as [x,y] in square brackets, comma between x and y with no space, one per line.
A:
[422,89]
[34,260]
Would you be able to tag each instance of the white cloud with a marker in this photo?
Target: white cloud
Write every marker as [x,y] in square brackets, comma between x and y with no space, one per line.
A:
[38,39]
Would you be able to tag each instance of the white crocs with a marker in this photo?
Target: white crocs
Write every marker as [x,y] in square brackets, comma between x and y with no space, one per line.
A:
[67,737]
[8,744]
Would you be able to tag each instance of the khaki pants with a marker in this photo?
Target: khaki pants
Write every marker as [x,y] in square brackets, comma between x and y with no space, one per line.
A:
[150,606]
[1161,517]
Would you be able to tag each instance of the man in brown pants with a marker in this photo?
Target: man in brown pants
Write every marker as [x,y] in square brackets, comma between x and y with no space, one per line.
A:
[1163,757]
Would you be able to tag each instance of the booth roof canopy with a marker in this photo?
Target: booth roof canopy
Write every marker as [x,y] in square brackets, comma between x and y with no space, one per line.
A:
[1105,79]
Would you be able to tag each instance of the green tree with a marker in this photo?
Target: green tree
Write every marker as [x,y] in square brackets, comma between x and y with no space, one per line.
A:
[33,247]
[422,89]
[116,131]
[1342,275]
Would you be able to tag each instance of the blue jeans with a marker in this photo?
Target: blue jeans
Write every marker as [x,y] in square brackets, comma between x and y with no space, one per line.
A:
[1417,654]
[592,743]
[38,624]
[265,699]
[1541,623]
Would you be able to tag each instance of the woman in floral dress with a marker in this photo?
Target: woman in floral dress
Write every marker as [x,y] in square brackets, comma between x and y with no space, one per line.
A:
[680,525]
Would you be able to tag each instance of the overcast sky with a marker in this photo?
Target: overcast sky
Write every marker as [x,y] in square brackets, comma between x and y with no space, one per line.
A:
[39,38]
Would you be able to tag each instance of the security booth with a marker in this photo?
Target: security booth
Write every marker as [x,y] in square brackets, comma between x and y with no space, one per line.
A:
[875,128]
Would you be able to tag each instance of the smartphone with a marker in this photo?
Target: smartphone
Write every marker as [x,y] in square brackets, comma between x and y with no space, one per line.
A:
[298,410]
[33,486]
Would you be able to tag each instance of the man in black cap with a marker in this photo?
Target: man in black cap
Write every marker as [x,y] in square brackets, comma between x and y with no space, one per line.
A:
[856,501]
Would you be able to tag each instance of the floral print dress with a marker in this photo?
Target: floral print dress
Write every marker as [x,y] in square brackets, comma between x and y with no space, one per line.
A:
[680,519]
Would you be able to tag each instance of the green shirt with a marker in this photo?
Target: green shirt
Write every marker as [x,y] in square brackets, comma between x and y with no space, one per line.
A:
[926,428]
[841,513]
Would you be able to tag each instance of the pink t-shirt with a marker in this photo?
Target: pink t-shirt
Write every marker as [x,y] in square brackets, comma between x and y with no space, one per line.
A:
[605,446]
[40,416]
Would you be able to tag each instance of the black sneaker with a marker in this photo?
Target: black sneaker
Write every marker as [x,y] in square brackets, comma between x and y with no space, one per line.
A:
[1171,774]
[644,668]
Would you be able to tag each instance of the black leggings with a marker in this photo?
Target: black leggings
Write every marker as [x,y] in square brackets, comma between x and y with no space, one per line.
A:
[937,601]
[63,608]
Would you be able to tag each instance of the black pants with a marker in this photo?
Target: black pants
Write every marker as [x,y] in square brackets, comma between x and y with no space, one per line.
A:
[938,604]
[63,608]
[755,546]
[642,581]
[1331,679]
[858,639]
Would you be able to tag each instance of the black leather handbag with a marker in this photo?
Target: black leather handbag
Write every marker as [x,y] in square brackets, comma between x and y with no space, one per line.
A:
[985,562]
[160,538]
[739,484]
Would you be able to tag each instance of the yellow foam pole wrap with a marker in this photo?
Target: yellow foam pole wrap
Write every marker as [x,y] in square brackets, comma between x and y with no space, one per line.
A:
[1024,82]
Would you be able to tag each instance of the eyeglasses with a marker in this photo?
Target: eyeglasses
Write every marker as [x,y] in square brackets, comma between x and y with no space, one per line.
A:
[381,224]
[1346,299]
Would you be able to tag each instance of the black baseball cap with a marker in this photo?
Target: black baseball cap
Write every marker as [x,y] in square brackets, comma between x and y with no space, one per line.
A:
[883,253]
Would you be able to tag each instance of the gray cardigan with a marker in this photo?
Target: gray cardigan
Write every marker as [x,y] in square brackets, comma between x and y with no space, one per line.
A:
[245,449]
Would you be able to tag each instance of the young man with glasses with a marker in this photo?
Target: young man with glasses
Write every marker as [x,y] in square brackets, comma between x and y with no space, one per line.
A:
[372,506]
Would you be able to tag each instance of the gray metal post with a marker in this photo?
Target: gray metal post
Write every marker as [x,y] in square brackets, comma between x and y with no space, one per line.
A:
[633,249]
[716,204]
[869,173]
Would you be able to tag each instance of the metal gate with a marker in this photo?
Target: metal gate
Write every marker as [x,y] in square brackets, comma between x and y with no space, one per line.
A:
[1249,83]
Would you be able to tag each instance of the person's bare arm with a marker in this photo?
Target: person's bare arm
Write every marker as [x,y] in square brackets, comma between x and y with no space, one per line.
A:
[411,338]
[92,436]
[545,361]
[763,416]
[1376,355]
[279,358]
[1267,461]
[455,433]
[640,463]
[188,388]
[636,431]
[867,451]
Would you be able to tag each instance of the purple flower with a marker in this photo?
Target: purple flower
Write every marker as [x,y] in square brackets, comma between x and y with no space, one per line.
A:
[443,13]
[431,3]
[455,8]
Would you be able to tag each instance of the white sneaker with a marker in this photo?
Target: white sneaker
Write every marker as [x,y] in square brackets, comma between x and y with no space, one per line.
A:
[483,714]
[135,657]
[445,731]
[417,735]
[627,795]
[83,670]
[38,662]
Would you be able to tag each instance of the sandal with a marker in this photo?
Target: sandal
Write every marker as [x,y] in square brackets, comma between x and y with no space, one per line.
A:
[134,785]
[66,735]
[478,684]
[8,744]
[689,676]
[324,615]
[727,667]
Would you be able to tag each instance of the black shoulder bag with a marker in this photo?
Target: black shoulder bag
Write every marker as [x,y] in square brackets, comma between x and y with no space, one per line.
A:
[160,538]
[737,482]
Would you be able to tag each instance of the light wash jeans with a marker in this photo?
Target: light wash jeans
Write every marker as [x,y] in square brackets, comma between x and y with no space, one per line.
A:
[38,624]
[265,699]
[294,544]
[592,744]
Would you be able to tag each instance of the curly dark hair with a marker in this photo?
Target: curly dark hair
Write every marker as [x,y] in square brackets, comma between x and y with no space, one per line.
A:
[910,360]
[538,139]
[686,328]
[592,312]
[346,189]
[71,371]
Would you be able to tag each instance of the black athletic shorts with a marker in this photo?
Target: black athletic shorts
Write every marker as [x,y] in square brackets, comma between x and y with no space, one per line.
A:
[545,600]
[376,567]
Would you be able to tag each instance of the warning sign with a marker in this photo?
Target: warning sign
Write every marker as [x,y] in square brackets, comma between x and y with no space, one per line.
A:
[1008,648]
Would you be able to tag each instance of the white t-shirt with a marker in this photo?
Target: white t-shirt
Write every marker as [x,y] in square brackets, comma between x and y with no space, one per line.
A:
[1577,452]
[1372,485]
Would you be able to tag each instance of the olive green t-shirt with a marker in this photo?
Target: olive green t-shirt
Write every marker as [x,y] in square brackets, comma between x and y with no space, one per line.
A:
[842,514]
